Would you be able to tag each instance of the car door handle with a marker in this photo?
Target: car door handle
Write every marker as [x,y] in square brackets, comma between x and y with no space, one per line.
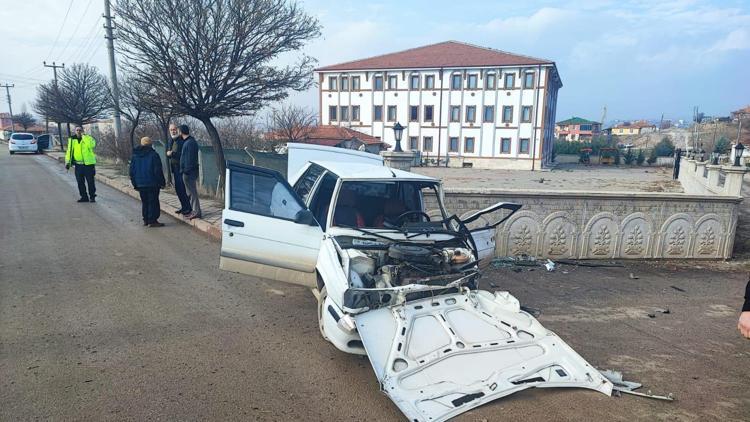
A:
[234,223]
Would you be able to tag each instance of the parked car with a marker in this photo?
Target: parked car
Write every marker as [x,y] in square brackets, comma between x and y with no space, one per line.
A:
[22,142]
[394,282]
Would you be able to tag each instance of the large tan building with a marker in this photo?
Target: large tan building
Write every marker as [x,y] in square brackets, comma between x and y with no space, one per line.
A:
[473,106]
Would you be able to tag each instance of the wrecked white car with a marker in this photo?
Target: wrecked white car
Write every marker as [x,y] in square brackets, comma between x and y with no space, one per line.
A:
[393,282]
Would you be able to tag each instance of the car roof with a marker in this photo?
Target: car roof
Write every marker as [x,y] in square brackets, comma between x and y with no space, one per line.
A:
[369,171]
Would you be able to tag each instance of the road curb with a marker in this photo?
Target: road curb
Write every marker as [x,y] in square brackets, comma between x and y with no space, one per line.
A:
[201,226]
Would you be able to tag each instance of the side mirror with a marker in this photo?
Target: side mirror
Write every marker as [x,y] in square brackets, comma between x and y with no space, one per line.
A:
[305,217]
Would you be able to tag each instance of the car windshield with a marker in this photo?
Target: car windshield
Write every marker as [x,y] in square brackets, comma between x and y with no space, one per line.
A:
[383,204]
[23,136]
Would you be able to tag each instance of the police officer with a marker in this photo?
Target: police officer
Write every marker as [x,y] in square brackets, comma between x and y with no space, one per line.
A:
[80,154]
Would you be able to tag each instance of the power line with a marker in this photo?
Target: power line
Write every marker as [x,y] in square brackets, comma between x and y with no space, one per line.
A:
[74,32]
[90,42]
[62,25]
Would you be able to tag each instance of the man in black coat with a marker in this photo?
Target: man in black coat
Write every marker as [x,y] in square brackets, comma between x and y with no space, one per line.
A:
[189,170]
[174,151]
[147,178]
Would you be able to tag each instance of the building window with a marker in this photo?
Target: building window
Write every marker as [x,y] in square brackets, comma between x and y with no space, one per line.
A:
[413,113]
[528,80]
[427,144]
[332,113]
[377,113]
[471,81]
[505,145]
[378,82]
[456,81]
[414,143]
[489,114]
[489,81]
[510,80]
[453,144]
[507,114]
[344,113]
[469,145]
[333,83]
[523,146]
[585,128]
[355,83]
[392,82]
[471,114]
[414,82]
[355,113]
[344,83]
[428,113]
[455,113]
[391,113]
[429,82]
[526,114]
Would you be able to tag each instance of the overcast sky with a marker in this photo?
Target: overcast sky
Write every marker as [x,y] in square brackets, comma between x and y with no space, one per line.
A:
[640,58]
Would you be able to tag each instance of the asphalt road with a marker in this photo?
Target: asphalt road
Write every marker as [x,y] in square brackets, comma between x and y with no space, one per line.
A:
[103,319]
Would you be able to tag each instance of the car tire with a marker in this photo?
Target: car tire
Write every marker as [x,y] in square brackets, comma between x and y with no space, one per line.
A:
[12,152]
[321,304]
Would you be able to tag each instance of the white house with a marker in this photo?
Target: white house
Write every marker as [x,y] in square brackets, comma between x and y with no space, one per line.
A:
[475,106]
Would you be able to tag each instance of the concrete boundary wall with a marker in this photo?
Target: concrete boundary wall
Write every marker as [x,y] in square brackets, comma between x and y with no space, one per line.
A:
[606,225]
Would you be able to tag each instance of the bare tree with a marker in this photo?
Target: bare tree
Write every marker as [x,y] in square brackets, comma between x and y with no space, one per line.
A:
[133,99]
[214,58]
[291,123]
[80,97]
[24,119]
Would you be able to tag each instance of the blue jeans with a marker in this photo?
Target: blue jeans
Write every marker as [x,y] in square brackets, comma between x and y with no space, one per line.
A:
[179,187]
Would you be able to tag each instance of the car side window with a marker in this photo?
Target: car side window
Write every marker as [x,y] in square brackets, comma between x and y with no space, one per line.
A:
[321,200]
[262,194]
[305,184]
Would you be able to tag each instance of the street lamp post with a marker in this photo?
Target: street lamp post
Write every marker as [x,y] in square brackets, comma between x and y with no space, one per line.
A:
[738,149]
[398,131]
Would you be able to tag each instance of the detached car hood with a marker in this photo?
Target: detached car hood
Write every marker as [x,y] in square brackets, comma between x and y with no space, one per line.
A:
[442,356]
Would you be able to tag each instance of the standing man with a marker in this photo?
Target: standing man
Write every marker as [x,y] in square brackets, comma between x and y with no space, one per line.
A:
[147,178]
[80,154]
[189,170]
[744,323]
[174,151]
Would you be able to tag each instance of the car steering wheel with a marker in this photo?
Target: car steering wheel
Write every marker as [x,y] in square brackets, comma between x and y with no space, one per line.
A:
[408,213]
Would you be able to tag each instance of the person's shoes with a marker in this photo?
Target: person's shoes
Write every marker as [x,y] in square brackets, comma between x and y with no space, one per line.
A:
[83,200]
[156,224]
[146,223]
[92,199]
[192,216]
[186,212]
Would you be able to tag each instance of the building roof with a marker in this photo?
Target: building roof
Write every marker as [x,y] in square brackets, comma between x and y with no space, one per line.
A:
[577,121]
[346,170]
[635,125]
[444,54]
[330,135]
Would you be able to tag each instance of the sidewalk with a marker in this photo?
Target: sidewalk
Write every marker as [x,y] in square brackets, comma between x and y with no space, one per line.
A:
[210,224]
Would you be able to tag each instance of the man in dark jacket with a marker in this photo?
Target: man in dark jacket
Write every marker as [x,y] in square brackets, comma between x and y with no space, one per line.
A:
[147,177]
[189,170]
[174,151]
[744,323]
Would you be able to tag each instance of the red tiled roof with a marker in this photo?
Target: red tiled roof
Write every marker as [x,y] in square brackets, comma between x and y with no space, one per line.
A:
[330,135]
[444,54]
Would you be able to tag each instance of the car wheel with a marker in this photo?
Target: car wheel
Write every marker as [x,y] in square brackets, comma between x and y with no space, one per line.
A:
[321,304]
[12,152]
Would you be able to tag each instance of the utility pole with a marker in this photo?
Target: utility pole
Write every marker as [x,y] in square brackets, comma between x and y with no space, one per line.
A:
[112,68]
[10,105]
[54,70]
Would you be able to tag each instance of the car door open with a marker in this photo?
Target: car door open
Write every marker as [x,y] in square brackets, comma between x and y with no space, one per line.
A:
[266,229]
[482,226]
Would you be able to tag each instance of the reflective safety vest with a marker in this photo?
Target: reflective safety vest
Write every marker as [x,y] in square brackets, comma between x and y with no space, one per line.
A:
[82,150]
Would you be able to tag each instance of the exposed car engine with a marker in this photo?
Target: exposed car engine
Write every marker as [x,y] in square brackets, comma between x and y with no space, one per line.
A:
[403,263]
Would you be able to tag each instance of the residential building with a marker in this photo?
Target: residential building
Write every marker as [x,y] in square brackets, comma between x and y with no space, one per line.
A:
[635,128]
[577,129]
[741,113]
[335,136]
[474,106]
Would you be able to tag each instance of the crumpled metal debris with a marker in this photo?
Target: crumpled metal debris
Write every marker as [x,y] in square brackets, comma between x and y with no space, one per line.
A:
[514,261]
[550,265]
[629,387]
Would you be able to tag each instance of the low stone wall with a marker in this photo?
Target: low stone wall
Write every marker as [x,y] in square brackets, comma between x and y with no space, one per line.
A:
[606,225]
